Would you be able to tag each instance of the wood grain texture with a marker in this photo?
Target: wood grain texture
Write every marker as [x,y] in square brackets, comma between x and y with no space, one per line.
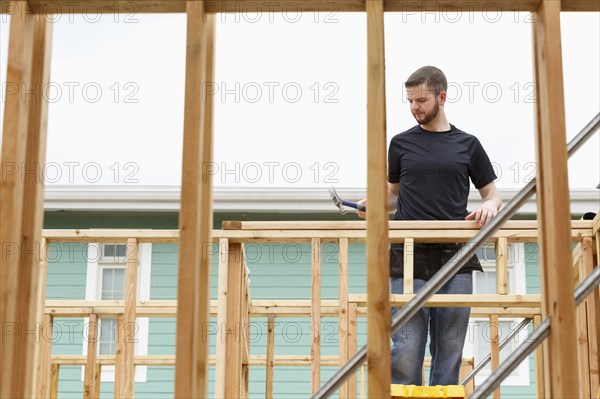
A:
[553,201]
[377,248]
[132,7]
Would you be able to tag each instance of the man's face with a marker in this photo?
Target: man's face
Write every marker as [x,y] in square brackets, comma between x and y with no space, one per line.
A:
[424,104]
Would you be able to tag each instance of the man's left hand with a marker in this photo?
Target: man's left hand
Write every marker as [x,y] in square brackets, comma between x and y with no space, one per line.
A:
[484,213]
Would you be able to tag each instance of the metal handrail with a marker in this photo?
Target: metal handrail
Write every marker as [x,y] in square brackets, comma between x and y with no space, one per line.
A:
[533,341]
[457,261]
[487,359]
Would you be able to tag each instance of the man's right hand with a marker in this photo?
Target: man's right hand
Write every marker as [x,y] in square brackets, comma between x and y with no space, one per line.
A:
[361,214]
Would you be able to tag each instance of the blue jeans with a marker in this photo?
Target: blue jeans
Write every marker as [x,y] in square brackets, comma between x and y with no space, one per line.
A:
[447,329]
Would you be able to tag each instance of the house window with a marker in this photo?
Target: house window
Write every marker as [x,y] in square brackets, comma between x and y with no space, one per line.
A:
[106,281]
[479,336]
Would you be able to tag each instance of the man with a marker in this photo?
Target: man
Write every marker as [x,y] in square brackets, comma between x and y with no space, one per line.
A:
[429,168]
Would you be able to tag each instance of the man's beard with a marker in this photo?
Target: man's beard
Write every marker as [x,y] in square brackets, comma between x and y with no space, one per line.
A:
[431,115]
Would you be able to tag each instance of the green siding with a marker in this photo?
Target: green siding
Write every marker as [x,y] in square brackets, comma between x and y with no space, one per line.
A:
[276,271]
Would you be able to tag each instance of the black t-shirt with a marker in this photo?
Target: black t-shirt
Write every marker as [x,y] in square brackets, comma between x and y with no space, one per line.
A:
[434,169]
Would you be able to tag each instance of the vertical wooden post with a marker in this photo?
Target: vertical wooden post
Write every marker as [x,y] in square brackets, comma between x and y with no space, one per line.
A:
[229,340]
[129,318]
[553,201]
[502,266]
[315,316]
[195,218]
[21,198]
[89,379]
[54,378]
[98,381]
[540,385]
[465,369]
[270,355]
[362,382]
[119,357]
[44,373]
[44,348]
[343,308]
[378,300]
[495,348]
[409,255]
[222,303]
[593,327]
[352,344]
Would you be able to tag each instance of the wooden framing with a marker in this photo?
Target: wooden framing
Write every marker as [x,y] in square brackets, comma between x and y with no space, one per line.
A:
[315,316]
[21,211]
[218,6]
[378,270]
[553,201]
[90,377]
[195,217]
[21,201]
[343,309]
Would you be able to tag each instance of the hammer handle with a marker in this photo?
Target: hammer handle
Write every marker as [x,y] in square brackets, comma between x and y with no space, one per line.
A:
[355,205]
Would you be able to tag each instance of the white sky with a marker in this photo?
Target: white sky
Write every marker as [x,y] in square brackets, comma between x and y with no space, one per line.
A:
[273,135]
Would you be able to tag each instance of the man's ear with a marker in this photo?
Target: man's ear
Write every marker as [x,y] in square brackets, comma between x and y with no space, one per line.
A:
[442,98]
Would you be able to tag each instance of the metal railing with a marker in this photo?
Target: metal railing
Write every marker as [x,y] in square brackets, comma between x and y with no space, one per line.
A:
[452,266]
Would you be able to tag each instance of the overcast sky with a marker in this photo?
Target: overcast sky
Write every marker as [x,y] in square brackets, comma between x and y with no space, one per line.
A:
[290,108]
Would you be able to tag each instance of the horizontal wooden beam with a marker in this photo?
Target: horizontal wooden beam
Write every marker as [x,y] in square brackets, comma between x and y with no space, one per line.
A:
[303,235]
[298,307]
[289,6]
[255,360]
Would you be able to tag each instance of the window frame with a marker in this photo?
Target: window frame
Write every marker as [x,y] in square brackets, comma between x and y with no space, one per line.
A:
[96,263]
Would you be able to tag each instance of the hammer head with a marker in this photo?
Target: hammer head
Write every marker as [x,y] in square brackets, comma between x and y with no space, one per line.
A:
[337,200]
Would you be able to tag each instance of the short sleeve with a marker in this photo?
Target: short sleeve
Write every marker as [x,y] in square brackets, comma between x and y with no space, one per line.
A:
[481,170]
[394,162]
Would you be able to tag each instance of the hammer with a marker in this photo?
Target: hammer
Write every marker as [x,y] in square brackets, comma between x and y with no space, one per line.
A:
[342,204]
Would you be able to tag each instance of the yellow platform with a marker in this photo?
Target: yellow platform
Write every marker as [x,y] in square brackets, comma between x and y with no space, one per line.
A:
[413,391]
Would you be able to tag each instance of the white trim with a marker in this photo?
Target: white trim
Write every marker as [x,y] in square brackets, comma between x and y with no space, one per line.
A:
[242,199]
[92,292]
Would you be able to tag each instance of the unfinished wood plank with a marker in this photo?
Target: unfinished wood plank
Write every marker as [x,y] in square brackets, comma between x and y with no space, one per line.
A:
[582,351]
[97,382]
[89,378]
[324,6]
[538,357]
[553,201]
[119,358]
[315,317]
[233,326]
[343,308]
[54,378]
[32,271]
[14,154]
[465,369]
[270,356]
[44,345]
[352,345]
[44,370]
[129,318]
[202,283]
[409,255]
[502,266]
[593,323]
[495,348]
[377,248]
[222,292]
[195,217]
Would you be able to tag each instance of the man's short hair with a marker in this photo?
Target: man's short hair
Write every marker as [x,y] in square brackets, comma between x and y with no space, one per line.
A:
[434,77]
